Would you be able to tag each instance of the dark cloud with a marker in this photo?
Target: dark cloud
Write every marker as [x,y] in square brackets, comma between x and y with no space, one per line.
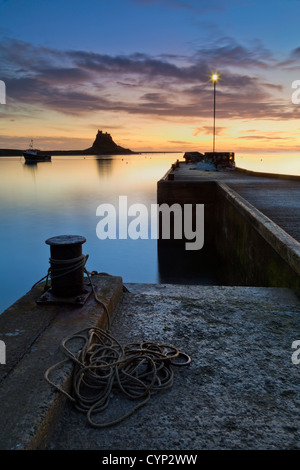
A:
[138,64]
[292,62]
[153,97]
[26,89]
[295,54]
[35,91]
[78,82]
[63,75]
[22,56]
[227,52]
[261,137]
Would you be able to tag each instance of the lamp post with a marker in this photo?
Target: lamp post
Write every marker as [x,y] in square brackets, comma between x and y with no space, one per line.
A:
[214,79]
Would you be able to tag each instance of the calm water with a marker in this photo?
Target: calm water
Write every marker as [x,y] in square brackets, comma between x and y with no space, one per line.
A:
[61,197]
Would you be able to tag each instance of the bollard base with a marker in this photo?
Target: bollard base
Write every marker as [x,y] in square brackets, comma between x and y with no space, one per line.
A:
[79,300]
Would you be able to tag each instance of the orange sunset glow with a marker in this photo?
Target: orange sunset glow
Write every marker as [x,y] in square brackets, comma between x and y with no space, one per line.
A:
[152,88]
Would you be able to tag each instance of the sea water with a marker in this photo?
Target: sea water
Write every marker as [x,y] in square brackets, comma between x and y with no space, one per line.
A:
[46,199]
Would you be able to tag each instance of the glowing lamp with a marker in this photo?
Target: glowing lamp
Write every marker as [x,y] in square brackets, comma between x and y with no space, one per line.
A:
[214,79]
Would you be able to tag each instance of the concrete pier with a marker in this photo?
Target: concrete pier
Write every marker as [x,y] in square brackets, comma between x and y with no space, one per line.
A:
[251,222]
[29,407]
[241,389]
[276,196]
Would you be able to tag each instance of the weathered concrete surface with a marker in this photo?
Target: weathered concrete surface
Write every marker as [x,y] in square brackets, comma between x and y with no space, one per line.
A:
[241,390]
[33,334]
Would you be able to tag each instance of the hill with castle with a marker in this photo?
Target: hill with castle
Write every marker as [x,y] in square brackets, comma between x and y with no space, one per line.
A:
[102,145]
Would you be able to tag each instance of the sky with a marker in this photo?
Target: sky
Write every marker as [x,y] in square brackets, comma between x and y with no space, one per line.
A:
[141,70]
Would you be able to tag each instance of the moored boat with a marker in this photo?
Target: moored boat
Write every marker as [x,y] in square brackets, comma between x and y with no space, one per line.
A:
[35,155]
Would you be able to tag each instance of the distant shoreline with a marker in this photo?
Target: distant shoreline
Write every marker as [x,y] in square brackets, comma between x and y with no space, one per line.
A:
[58,153]
[19,153]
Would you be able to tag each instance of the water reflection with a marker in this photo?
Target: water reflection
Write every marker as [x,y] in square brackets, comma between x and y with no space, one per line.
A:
[280,163]
[104,166]
[61,197]
[30,165]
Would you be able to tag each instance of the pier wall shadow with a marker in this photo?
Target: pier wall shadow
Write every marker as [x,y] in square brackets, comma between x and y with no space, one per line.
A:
[176,264]
[241,245]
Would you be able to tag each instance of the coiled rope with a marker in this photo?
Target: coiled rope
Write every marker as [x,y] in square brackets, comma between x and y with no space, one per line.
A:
[63,267]
[60,268]
[103,365]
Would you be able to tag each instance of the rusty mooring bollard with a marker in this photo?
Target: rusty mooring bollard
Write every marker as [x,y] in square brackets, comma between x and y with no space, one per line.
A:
[67,265]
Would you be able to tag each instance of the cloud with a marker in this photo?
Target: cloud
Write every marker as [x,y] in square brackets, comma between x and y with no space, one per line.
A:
[79,82]
[61,75]
[295,54]
[227,52]
[207,130]
[261,137]
[143,65]
[292,62]
[23,57]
